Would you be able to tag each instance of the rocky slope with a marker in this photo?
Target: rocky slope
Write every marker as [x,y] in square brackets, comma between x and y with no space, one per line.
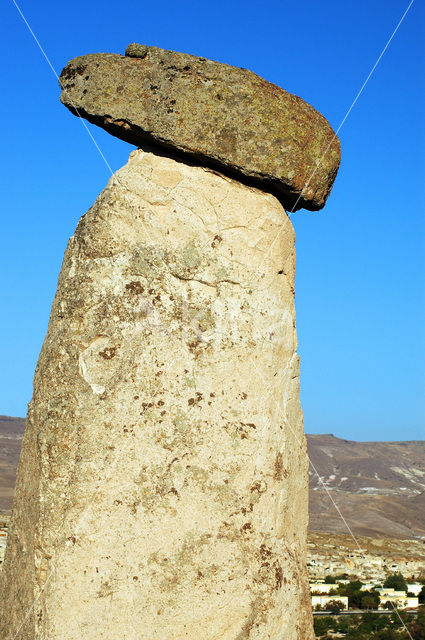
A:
[11,430]
[378,486]
[368,558]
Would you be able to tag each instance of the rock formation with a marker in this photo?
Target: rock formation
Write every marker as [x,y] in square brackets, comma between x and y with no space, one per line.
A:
[226,117]
[162,485]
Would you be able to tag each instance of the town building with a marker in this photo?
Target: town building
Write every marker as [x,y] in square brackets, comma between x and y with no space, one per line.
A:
[324,600]
[320,588]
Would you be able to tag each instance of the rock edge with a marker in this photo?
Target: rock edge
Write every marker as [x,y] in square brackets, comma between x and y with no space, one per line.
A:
[215,114]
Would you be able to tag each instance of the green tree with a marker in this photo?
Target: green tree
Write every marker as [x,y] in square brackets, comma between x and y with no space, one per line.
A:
[421,595]
[399,618]
[335,606]
[396,581]
[417,628]
[370,600]
[322,624]
[343,624]
[330,580]
[387,634]
[377,620]
[352,590]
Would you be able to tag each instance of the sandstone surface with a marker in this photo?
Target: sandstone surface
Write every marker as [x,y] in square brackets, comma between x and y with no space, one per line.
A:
[162,485]
[216,114]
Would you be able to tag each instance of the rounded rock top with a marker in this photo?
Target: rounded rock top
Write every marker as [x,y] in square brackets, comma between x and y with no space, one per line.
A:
[208,113]
[135,50]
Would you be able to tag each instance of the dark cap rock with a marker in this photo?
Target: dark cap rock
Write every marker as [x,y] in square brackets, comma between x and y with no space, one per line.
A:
[214,114]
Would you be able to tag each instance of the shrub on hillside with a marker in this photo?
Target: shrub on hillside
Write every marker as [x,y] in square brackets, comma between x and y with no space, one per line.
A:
[396,581]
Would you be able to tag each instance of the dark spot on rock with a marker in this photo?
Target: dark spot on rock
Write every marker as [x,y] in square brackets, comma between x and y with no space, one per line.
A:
[278,466]
[216,241]
[279,576]
[105,589]
[134,505]
[259,487]
[265,552]
[108,353]
[134,287]
[70,72]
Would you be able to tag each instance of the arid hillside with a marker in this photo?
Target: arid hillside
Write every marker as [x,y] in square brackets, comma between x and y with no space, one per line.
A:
[368,558]
[11,430]
[379,487]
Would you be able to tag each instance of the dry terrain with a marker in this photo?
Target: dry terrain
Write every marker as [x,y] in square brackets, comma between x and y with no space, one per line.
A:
[11,430]
[367,558]
[379,487]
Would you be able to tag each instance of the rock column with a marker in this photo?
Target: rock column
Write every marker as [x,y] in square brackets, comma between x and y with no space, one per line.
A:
[162,486]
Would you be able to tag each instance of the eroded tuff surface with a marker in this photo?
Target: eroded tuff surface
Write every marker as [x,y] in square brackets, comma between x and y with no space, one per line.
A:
[213,112]
[162,486]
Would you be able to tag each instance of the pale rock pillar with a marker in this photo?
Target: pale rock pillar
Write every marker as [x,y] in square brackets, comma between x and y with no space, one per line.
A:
[162,486]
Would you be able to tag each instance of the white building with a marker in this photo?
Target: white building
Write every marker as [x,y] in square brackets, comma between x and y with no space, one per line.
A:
[323,601]
[398,598]
[321,587]
[414,587]
[412,602]
[367,586]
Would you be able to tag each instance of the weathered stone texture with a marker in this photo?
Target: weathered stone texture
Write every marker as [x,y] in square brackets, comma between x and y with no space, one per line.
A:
[162,488]
[215,113]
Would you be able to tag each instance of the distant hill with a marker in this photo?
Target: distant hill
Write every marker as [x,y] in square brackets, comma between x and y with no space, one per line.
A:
[11,431]
[378,486]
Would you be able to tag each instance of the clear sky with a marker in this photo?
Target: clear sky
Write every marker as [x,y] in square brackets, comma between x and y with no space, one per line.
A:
[360,289]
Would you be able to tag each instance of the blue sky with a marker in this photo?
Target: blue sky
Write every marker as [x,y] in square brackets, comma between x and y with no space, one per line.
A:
[360,262]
